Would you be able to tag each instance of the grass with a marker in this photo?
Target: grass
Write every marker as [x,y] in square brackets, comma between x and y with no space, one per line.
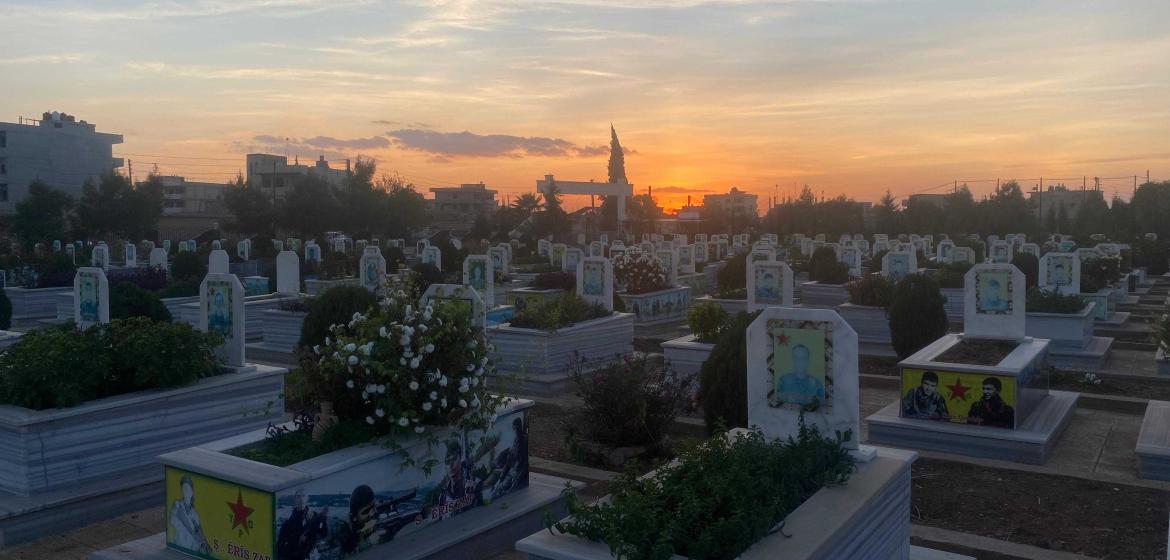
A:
[293,447]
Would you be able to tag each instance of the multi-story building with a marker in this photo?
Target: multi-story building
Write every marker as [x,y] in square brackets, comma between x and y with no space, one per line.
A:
[471,199]
[274,175]
[58,150]
[938,200]
[734,203]
[190,208]
[1047,201]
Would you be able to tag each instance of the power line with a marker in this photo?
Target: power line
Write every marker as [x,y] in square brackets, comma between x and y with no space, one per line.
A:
[177,157]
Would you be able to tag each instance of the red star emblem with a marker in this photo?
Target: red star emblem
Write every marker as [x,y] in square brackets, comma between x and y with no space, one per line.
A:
[782,340]
[958,391]
[240,512]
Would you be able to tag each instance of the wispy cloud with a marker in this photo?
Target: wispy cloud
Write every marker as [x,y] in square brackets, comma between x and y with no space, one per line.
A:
[467,144]
[60,58]
[146,11]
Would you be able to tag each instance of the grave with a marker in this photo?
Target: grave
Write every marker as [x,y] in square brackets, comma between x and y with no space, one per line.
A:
[91,297]
[100,256]
[221,310]
[479,275]
[130,254]
[373,269]
[158,258]
[595,281]
[983,392]
[769,284]
[1072,344]
[433,256]
[896,265]
[218,262]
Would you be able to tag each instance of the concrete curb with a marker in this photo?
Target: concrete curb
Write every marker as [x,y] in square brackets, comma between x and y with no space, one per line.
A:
[979,547]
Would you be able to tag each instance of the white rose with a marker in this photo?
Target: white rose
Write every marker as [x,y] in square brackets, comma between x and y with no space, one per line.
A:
[443,403]
[317,349]
[382,331]
[430,348]
[365,395]
[419,429]
[434,395]
[414,363]
[403,422]
[414,385]
[462,403]
[427,406]
[369,420]
[464,388]
[443,381]
[350,347]
[349,384]
[353,360]
[380,412]
[381,389]
[401,361]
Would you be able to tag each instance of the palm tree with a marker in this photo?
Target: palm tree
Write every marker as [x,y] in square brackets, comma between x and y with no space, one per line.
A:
[527,204]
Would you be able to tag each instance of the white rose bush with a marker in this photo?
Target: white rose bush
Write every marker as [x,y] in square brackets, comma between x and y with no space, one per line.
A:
[400,368]
[640,272]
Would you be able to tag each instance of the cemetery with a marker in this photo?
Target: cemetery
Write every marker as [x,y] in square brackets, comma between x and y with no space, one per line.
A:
[301,376]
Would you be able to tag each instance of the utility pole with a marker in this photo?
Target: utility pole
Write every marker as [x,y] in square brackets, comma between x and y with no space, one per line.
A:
[130,172]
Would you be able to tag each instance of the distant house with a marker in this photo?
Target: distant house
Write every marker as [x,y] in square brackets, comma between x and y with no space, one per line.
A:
[274,175]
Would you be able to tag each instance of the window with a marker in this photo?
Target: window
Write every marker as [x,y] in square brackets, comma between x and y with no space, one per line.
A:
[3,192]
[3,166]
[3,138]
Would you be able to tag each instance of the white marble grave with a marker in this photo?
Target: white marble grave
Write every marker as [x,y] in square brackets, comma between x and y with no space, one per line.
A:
[994,302]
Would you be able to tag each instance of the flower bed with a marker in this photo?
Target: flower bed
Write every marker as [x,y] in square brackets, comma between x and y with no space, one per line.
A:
[663,306]
[821,518]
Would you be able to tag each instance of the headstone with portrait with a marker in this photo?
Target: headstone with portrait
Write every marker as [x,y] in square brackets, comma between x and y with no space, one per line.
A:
[432,255]
[556,255]
[595,281]
[221,310]
[244,249]
[499,257]
[466,297]
[851,257]
[91,297]
[1060,272]
[769,284]
[1001,252]
[802,364]
[158,258]
[1030,249]
[543,247]
[994,302]
[702,252]
[963,254]
[312,252]
[479,274]
[686,259]
[946,250]
[130,254]
[569,259]
[373,269]
[100,256]
[896,265]
[669,260]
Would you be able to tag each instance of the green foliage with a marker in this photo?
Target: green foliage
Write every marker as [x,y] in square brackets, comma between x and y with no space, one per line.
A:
[1162,332]
[917,314]
[706,320]
[422,276]
[1154,255]
[336,305]
[733,275]
[721,497]
[1045,301]
[555,281]
[116,207]
[873,290]
[128,300]
[184,288]
[1098,273]
[251,207]
[61,366]
[723,377]
[952,275]
[293,447]
[1151,205]
[1030,266]
[824,267]
[42,215]
[188,265]
[5,311]
[629,402]
[566,310]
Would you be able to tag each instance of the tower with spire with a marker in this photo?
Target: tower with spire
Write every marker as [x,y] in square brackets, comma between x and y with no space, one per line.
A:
[617,159]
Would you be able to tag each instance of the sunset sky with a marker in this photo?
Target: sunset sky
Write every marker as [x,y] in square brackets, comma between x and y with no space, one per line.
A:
[848,97]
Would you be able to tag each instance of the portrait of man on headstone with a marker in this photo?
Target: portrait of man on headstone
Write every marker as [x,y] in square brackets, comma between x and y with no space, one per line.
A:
[593,281]
[925,401]
[219,313]
[88,303]
[992,292]
[1059,271]
[801,357]
[767,286]
[477,275]
[992,410]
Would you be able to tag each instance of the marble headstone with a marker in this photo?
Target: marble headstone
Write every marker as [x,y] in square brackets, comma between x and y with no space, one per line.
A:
[100,256]
[994,302]
[803,362]
[373,268]
[312,252]
[218,262]
[434,256]
[1001,252]
[595,281]
[479,274]
[769,284]
[499,257]
[130,252]
[221,310]
[91,297]
[288,273]
[569,259]
[1060,272]
[896,265]
[458,292]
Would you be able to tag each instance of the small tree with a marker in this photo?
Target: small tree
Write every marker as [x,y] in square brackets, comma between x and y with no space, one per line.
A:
[824,267]
[336,305]
[1030,266]
[723,377]
[917,314]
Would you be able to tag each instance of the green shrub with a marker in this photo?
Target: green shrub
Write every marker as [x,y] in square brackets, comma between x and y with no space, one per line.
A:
[188,265]
[61,366]
[952,275]
[824,267]
[1045,301]
[565,310]
[1030,266]
[917,314]
[335,305]
[723,377]
[128,300]
[733,275]
[717,500]
[1162,332]
[706,320]
[873,290]
[629,402]
[1154,255]
[5,311]
[1098,273]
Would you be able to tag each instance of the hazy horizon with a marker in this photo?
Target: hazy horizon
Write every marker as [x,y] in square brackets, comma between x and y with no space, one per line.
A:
[848,97]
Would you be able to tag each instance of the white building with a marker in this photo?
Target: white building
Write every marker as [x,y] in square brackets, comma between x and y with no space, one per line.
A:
[58,150]
[273,174]
[734,203]
[181,196]
[470,199]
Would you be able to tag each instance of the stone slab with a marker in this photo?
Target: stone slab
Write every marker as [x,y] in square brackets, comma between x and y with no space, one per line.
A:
[1032,442]
[1115,319]
[1090,358]
[1153,444]
[481,533]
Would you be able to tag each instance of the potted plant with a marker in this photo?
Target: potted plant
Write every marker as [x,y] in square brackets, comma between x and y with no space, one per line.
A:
[648,293]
